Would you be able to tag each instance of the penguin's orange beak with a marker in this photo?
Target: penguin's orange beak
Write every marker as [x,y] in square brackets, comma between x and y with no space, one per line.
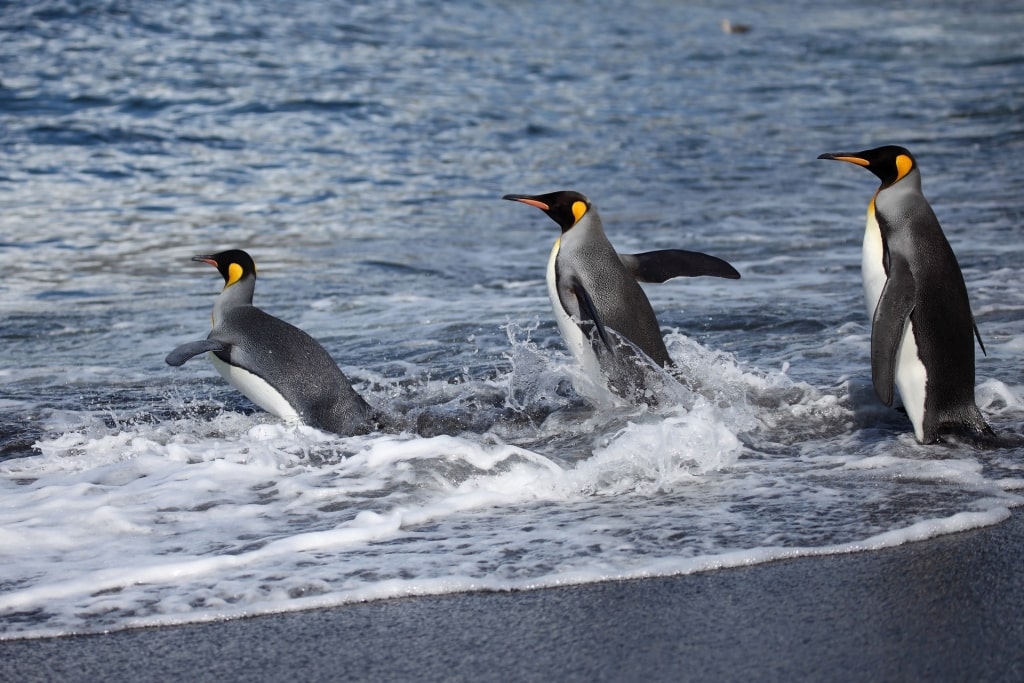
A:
[527,200]
[843,156]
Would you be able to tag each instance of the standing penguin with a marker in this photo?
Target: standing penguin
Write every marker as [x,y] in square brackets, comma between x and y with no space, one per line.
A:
[602,313]
[922,329]
[276,365]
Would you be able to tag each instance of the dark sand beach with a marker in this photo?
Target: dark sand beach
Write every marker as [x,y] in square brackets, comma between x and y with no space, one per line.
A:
[947,609]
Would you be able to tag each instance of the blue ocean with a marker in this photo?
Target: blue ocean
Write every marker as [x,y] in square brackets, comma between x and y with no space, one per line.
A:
[359,152]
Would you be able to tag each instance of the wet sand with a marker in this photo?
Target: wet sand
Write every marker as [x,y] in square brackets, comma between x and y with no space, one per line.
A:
[948,609]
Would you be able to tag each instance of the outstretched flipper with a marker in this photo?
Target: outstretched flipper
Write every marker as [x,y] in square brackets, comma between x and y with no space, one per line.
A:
[665,264]
[587,316]
[192,349]
[892,314]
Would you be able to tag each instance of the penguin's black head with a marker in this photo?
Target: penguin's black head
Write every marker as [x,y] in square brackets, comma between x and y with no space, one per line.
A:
[564,207]
[890,163]
[233,265]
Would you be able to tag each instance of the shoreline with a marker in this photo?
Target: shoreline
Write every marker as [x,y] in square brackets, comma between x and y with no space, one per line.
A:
[947,608]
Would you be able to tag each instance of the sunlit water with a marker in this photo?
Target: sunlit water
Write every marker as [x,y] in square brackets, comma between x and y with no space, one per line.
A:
[359,152]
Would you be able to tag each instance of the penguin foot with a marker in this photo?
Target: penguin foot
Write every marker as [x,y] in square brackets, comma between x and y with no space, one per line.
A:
[982,438]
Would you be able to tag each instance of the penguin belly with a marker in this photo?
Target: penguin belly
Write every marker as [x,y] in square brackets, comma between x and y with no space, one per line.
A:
[257,390]
[580,347]
[871,268]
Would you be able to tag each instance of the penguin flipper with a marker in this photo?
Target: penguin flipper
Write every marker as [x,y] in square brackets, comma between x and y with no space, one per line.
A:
[895,305]
[192,349]
[665,264]
[587,316]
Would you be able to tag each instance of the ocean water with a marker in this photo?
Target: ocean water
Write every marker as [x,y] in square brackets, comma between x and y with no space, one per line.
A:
[359,152]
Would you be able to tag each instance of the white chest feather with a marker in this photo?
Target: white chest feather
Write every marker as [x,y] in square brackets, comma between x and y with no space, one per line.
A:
[256,390]
[871,263]
[911,374]
[578,345]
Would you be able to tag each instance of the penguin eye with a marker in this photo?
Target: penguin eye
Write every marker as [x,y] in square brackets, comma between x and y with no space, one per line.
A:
[578,210]
[903,166]
[234,274]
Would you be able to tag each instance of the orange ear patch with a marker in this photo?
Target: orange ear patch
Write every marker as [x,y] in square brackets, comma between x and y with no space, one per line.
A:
[903,166]
[579,209]
[234,274]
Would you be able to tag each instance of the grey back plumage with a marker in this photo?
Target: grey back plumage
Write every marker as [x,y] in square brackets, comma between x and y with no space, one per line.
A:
[619,299]
[287,359]
[597,289]
[295,364]
[923,295]
[944,326]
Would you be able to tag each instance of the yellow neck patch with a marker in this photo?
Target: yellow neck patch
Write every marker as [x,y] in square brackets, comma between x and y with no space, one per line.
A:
[579,209]
[903,166]
[234,274]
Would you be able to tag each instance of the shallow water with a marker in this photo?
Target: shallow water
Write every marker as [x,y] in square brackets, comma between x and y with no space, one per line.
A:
[359,152]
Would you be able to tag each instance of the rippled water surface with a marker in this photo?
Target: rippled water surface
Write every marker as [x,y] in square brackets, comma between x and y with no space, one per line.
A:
[359,153]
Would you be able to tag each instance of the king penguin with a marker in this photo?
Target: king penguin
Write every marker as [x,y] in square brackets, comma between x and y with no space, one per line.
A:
[276,365]
[922,328]
[602,312]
